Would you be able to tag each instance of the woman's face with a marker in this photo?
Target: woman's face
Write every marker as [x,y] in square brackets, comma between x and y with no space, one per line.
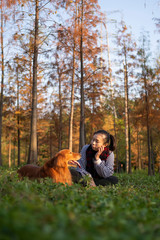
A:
[97,141]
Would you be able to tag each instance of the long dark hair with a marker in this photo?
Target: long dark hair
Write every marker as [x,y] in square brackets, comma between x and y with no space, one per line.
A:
[108,139]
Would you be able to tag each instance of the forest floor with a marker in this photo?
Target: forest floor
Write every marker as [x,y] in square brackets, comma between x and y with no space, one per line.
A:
[46,211]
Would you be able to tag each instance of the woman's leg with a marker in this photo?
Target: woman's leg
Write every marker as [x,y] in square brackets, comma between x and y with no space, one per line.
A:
[77,178]
[112,180]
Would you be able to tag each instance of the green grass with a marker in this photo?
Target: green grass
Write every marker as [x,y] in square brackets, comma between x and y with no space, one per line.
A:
[31,210]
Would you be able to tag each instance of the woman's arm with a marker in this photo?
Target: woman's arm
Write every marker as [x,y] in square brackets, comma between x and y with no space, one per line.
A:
[105,168]
[83,162]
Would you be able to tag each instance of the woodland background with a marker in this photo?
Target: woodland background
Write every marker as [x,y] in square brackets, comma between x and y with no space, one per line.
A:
[58,84]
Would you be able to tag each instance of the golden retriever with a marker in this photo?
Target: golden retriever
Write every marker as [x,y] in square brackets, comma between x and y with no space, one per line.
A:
[56,168]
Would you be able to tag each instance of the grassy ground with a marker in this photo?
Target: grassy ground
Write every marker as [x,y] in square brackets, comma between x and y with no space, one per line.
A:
[31,210]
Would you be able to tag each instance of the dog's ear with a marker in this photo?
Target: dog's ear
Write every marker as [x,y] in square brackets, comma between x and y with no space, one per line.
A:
[61,160]
[51,162]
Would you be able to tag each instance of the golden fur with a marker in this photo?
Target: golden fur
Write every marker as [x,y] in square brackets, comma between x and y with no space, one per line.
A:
[56,168]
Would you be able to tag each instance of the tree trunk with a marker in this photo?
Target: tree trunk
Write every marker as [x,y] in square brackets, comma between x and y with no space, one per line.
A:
[26,149]
[14,152]
[82,113]
[72,91]
[60,114]
[9,150]
[129,143]
[101,66]
[152,154]
[138,153]
[72,103]
[18,118]
[126,119]
[112,95]
[51,140]
[147,125]
[2,83]
[33,137]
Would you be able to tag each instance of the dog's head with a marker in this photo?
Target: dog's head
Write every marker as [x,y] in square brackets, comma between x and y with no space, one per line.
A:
[70,157]
[64,158]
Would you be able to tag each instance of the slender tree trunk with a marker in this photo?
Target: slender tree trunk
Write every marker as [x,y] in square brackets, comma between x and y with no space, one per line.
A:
[138,152]
[72,103]
[26,149]
[82,113]
[30,80]
[2,83]
[51,140]
[112,95]
[101,38]
[126,118]
[14,152]
[18,118]
[72,91]
[30,107]
[129,143]
[33,136]
[147,125]
[9,150]
[152,154]
[144,77]
[60,113]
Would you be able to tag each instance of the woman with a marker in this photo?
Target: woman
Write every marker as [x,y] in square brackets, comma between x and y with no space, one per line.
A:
[97,160]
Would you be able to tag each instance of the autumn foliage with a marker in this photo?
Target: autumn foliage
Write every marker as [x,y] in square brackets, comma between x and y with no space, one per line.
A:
[74,83]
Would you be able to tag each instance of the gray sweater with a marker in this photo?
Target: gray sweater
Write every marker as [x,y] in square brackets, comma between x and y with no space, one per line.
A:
[104,168]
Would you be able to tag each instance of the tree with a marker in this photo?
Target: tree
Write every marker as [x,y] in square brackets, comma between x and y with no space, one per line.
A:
[2,82]
[73,83]
[82,115]
[18,112]
[87,17]
[33,136]
[90,17]
[127,126]
[126,51]
[143,58]
[112,89]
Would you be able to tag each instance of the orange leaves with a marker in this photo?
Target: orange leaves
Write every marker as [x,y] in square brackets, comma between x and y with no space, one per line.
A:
[15,36]
[92,66]
[17,112]
[124,28]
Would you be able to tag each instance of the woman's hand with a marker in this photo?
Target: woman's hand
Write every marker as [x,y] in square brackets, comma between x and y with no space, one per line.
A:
[100,150]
